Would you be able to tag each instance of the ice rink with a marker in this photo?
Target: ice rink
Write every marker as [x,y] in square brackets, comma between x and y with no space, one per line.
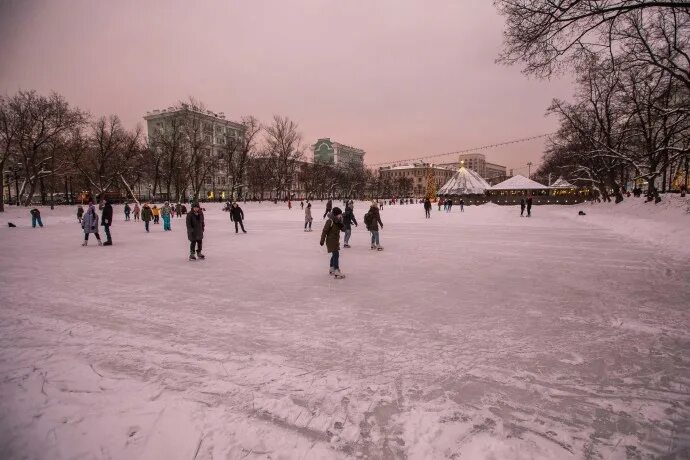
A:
[472,335]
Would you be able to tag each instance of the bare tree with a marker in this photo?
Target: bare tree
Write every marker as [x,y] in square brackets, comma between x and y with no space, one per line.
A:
[10,130]
[197,135]
[283,142]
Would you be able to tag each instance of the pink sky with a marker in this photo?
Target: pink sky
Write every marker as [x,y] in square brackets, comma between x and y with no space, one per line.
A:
[397,78]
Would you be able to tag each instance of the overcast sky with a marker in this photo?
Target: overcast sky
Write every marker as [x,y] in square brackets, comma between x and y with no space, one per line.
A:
[397,78]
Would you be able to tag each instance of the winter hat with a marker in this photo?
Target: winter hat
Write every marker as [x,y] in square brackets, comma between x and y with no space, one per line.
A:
[195,205]
[374,204]
[336,211]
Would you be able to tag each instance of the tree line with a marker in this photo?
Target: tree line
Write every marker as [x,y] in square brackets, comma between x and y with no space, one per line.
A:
[53,152]
[629,119]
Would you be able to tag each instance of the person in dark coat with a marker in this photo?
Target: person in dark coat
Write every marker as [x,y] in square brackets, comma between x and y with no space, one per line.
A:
[329,206]
[107,221]
[529,206]
[146,215]
[427,208]
[450,204]
[128,211]
[348,220]
[178,210]
[372,220]
[80,212]
[36,218]
[237,216]
[195,231]
[462,205]
[522,206]
[330,235]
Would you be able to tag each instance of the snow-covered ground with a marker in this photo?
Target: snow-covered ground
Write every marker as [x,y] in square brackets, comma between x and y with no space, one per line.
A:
[473,335]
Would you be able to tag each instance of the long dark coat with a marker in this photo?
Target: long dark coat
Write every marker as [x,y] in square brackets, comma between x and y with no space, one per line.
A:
[195,226]
[107,214]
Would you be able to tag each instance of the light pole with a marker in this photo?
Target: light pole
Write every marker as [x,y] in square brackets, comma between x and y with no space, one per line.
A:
[529,169]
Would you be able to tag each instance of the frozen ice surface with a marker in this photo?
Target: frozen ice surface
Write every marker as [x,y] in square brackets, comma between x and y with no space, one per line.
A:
[473,335]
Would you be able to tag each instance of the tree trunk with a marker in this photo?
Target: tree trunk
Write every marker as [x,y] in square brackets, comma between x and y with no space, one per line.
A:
[2,186]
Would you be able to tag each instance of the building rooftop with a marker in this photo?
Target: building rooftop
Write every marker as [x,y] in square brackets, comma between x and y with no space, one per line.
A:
[519,183]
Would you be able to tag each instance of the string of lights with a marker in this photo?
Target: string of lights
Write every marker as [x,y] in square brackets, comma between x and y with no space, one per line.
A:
[458,152]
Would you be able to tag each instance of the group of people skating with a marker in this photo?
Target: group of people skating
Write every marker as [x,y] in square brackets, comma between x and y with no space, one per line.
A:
[342,221]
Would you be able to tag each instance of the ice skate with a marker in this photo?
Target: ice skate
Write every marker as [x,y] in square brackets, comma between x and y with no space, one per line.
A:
[100,243]
[331,271]
[84,243]
[373,247]
[200,255]
[337,275]
[192,257]
[379,248]
[347,246]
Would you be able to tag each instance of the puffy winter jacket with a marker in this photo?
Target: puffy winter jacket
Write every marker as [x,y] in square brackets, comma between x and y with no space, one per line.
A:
[374,219]
[146,213]
[349,219]
[331,234]
[107,214]
[90,221]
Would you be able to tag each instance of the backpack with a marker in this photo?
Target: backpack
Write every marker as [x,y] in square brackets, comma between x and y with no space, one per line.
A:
[367,219]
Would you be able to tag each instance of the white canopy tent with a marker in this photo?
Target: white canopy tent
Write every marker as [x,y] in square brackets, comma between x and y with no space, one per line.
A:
[562,183]
[464,182]
[519,183]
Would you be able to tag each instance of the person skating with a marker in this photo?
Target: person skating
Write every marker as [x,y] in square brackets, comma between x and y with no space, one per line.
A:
[107,221]
[156,214]
[36,218]
[195,232]
[348,220]
[80,212]
[136,211]
[450,204]
[372,219]
[301,204]
[166,212]
[89,223]
[329,206]
[237,216]
[331,236]
[462,205]
[529,206]
[289,204]
[522,206]
[178,210]
[128,211]
[427,208]
[440,203]
[146,215]
[307,218]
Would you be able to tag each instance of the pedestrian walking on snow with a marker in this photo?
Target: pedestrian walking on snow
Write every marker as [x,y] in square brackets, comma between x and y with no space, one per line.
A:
[307,218]
[166,213]
[36,218]
[348,220]
[136,212]
[146,215]
[89,223]
[329,206]
[427,208]
[237,216]
[372,220]
[330,235]
[128,211]
[80,213]
[107,221]
[195,232]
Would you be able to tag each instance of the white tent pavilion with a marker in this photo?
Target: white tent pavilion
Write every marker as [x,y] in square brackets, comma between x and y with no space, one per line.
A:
[519,183]
[464,182]
[562,183]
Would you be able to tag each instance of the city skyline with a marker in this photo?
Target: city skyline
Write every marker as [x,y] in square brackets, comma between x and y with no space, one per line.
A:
[398,80]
